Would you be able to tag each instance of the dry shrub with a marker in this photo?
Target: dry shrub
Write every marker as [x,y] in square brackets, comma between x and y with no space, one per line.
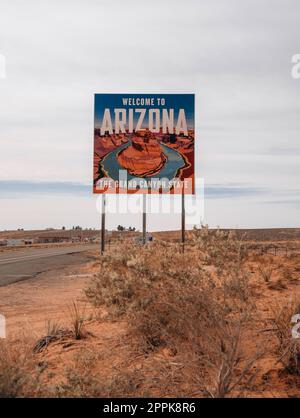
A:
[174,313]
[185,302]
[54,332]
[19,374]
[233,371]
[289,274]
[77,316]
[218,248]
[86,385]
[80,380]
[277,285]
[266,272]
[288,346]
[161,291]
[286,273]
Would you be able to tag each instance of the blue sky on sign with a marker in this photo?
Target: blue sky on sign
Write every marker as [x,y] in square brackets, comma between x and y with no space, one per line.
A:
[172,101]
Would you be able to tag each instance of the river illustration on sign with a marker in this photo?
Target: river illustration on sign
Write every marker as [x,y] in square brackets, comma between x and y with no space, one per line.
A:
[149,137]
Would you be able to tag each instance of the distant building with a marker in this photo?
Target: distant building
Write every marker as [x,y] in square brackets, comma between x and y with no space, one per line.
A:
[53,239]
[13,242]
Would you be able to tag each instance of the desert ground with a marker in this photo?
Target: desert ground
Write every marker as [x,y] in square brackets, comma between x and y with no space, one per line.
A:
[211,320]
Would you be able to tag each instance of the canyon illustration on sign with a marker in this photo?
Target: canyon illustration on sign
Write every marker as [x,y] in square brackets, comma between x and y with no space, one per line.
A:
[143,141]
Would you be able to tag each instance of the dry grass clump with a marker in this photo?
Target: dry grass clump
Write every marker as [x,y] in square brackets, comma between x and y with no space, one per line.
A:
[218,248]
[84,384]
[192,302]
[19,373]
[77,316]
[82,379]
[54,332]
[289,274]
[279,284]
[266,272]
[233,373]
[288,335]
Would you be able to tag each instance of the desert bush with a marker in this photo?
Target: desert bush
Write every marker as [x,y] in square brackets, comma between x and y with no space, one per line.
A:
[52,327]
[231,371]
[187,301]
[289,274]
[266,272]
[218,247]
[77,316]
[148,279]
[83,384]
[288,345]
[81,380]
[277,285]
[79,385]
[19,376]
[54,332]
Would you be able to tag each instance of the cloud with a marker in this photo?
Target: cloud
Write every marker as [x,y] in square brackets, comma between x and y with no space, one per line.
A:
[17,188]
[235,56]
[283,151]
[289,202]
[233,192]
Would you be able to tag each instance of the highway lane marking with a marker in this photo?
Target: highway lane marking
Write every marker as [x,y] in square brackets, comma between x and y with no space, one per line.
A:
[16,259]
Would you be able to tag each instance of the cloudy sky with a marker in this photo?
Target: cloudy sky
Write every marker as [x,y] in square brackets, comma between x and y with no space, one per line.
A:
[234,55]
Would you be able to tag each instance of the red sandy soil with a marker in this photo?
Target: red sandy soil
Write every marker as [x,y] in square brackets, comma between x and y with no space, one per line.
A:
[29,304]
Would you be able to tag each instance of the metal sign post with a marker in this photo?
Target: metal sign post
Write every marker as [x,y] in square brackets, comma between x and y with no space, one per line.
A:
[144,218]
[182,218]
[103,225]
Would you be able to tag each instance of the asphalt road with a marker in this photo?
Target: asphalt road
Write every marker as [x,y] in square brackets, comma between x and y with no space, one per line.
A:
[22,264]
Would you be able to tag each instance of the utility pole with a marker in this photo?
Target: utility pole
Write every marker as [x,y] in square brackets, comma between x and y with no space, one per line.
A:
[182,218]
[144,218]
[103,225]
